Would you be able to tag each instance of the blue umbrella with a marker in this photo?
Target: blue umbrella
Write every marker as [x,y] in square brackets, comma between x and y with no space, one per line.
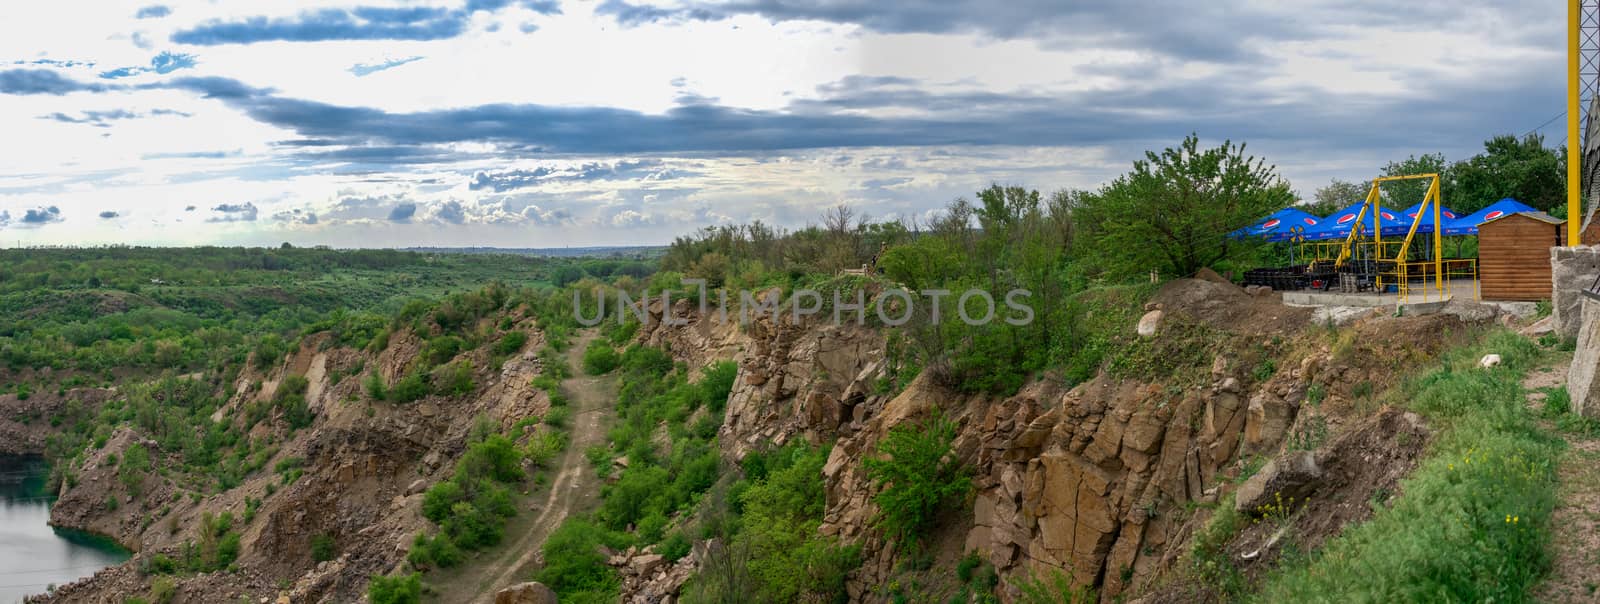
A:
[1337,225]
[1468,225]
[1279,225]
[1402,223]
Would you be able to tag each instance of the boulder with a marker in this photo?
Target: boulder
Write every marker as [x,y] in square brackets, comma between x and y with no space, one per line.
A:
[1293,475]
[1583,377]
[1572,269]
[531,592]
[1149,323]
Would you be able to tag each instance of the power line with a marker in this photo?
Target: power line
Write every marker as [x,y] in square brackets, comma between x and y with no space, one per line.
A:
[1546,123]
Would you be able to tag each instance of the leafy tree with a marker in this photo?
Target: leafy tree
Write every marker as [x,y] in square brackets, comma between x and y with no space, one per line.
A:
[1335,196]
[135,463]
[1522,169]
[1172,212]
[917,475]
[1406,193]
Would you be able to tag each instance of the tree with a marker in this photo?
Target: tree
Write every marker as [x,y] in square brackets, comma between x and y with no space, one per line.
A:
[1522,169]
[917,474]
[1173,212]
[1403,194]
[1335,196]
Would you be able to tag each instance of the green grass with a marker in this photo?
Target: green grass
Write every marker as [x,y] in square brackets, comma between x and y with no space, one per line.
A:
[1471,524]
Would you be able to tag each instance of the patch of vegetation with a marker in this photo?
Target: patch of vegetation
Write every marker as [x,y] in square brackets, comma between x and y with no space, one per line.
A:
[1472,524]
[600,358]
[918,476]
[400,589]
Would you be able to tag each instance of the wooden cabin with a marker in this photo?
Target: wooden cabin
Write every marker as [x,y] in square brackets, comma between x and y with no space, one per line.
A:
[1514,255]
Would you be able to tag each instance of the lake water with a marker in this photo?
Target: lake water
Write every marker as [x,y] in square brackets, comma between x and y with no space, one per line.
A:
[32,554]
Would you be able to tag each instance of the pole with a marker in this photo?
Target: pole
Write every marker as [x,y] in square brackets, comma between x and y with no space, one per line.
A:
[1574,143]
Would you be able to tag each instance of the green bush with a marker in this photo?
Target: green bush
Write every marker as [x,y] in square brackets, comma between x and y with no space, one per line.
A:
[410,388]
[455,379]
[322,548]
[599,358]
[402,589]
[918,476]
[574,566]
[510,343]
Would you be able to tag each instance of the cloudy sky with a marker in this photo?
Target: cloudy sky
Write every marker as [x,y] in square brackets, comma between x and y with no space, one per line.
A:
[547,123]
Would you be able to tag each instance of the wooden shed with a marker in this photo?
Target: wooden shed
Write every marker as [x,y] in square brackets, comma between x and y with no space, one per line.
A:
[1514,255]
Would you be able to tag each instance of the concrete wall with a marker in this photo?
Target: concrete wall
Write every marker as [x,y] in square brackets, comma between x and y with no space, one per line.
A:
[1572,270]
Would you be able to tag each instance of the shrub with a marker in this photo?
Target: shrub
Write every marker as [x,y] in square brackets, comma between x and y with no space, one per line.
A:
[322,548]
[410,388]
[917,475]
[674,547]
[510,343]
[574,566]
[599,358]
[374,386]
[455,379]
[403,589]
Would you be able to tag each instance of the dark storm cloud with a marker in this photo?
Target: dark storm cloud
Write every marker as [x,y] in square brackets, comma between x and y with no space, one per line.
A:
[1160,112]
[1211,31]
[1207,31]
[359,23]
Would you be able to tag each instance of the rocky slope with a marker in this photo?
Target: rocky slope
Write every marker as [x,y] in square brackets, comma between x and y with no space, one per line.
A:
[1100,480]
[1106,480]
[362,468]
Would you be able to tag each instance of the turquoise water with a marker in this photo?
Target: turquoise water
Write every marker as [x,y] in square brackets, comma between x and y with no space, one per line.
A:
[32,554]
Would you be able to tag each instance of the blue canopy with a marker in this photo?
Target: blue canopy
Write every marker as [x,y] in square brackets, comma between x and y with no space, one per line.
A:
[1277,226]
[1468,225]
[1337,225]
[1402,223]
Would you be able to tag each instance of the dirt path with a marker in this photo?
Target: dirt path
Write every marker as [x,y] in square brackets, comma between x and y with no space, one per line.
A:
[574,489]
[1575,524]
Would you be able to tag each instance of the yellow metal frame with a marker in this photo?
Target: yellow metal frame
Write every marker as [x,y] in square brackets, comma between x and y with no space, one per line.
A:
[1574,142]
[1374,203]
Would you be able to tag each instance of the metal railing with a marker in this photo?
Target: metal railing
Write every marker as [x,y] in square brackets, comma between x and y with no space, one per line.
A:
[1417,279]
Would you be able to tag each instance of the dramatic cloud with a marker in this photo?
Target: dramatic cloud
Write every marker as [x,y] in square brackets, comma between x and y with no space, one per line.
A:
[610,124]
[366,69]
